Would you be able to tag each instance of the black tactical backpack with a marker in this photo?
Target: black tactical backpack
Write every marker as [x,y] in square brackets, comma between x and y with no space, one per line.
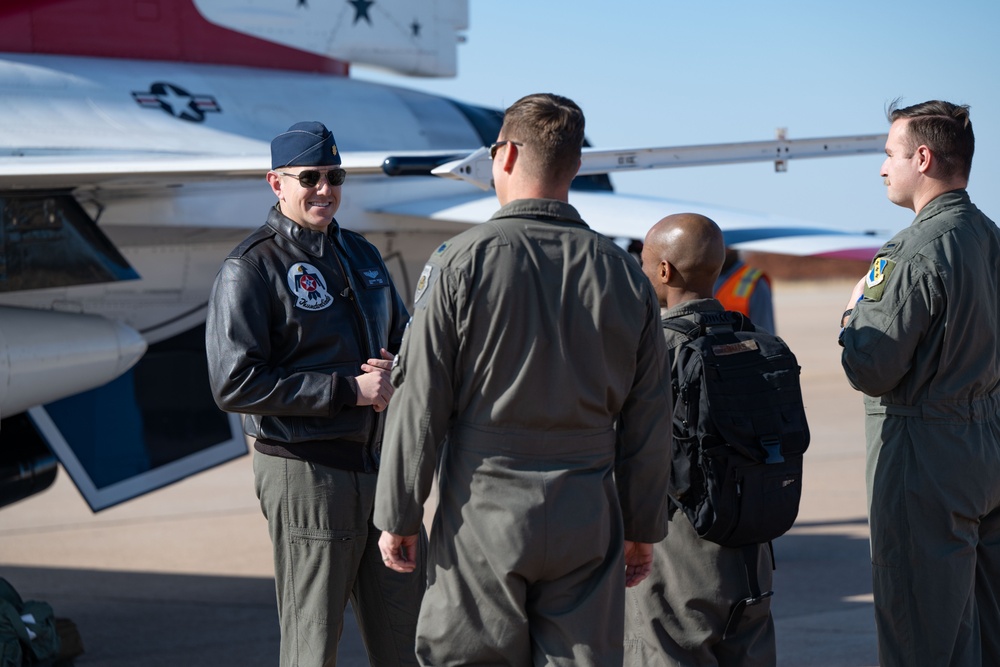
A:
[739,435]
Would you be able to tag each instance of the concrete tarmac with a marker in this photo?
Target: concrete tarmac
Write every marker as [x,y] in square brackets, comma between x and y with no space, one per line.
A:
[183,576]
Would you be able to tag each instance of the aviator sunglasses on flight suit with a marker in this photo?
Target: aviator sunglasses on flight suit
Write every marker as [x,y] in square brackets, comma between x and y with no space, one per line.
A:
[310,177]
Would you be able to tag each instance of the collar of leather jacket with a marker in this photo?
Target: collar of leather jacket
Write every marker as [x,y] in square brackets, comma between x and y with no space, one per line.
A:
[311,242]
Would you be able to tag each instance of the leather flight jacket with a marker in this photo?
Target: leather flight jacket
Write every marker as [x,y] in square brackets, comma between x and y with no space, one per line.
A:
[293,315]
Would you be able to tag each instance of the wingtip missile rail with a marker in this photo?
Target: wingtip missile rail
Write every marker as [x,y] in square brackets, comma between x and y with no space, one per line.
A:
[476,167]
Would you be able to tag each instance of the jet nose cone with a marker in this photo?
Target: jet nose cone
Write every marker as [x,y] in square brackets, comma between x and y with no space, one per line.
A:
[131,346]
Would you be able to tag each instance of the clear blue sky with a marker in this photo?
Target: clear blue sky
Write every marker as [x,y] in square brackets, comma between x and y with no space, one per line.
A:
[666,73]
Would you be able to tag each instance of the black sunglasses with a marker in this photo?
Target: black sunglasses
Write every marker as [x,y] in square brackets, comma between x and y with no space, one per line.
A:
[310,177]
[495,147]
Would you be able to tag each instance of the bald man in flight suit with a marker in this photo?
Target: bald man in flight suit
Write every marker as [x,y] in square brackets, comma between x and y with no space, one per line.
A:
[678,616]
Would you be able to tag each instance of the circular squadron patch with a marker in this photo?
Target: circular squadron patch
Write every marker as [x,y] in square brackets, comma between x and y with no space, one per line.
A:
[307,284]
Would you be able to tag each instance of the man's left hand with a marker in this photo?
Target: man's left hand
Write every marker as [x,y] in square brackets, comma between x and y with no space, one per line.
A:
[399,553]
[385,363]
[638,562]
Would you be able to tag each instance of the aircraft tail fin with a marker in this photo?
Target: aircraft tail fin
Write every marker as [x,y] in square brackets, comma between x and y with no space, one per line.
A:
[415,37]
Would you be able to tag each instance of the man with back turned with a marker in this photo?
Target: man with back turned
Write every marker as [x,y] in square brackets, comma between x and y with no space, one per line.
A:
[533,375]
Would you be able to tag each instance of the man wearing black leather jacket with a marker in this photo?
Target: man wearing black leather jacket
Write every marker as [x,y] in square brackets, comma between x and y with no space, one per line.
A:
[302,326]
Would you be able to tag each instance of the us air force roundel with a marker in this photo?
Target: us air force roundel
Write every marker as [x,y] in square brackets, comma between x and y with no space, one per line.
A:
[877,275]
[308,286]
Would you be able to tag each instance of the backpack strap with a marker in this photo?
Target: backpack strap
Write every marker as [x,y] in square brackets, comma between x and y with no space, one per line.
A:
[684,326]
[694,325]
[750,561]
[742,322]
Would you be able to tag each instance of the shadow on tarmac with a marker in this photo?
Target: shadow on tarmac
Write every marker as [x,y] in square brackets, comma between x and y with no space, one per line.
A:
[141,618]
[821,606]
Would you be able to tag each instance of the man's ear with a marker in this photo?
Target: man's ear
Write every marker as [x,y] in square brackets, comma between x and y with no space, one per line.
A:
[274,180]
[667,272]
[925,158]
[509,157]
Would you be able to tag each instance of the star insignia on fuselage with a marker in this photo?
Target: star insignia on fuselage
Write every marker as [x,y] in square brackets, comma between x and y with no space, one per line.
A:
[361,10]
[176,101]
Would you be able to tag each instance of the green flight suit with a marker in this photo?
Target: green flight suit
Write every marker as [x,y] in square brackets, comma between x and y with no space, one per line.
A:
[923,344]
[677,616]
[533,370]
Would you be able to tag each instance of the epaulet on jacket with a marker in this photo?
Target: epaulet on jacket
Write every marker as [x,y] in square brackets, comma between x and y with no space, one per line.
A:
[262,234]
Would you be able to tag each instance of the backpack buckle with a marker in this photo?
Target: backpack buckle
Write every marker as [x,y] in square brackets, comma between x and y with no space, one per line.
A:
[772,447]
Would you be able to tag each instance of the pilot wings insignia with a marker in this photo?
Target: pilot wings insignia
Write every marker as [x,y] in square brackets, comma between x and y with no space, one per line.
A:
[373,277]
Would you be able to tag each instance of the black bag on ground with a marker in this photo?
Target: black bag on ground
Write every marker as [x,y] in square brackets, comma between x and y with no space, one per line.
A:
[739,428]
[27,630]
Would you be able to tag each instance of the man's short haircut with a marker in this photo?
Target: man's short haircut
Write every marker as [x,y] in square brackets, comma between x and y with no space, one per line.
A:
[551,128]
[943,127]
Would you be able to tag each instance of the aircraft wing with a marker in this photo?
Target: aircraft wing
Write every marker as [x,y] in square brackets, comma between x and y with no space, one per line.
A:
[130,169]
[154,210]
[630,216]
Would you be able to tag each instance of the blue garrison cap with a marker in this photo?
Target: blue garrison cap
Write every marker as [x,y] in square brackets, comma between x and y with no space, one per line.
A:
[307,144]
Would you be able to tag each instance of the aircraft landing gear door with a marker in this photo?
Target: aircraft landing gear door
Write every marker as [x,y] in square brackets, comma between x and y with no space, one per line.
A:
[154,425]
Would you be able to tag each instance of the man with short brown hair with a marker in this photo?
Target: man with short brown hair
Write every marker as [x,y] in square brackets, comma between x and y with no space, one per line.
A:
[533,374]
[921,339]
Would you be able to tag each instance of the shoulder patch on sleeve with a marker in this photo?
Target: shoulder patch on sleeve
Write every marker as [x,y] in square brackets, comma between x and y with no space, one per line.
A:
[877,275]
[423,282]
